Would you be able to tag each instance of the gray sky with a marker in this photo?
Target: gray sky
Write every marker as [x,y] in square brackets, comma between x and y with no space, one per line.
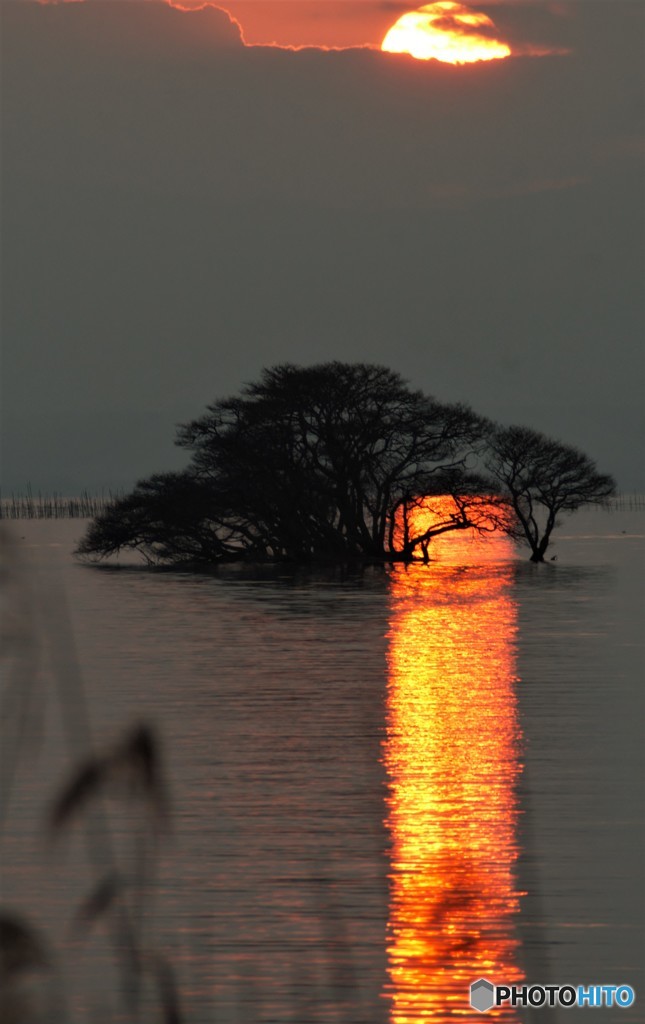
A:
[180,211]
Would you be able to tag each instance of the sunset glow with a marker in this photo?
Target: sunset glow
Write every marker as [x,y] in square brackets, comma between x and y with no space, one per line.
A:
[453,761]
[445,31]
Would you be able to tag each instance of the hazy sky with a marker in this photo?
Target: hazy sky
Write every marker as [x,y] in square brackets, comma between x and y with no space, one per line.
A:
[180,210]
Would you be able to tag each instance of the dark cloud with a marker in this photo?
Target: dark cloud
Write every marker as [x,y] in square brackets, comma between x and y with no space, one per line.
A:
[180,211]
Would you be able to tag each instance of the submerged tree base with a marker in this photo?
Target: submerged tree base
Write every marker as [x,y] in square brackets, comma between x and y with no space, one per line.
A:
[245,560]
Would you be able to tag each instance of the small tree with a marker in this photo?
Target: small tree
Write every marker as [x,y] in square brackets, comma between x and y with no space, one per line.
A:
[541,478]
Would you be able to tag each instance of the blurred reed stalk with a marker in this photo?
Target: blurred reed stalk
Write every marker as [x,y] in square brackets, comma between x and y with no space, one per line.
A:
[129,772]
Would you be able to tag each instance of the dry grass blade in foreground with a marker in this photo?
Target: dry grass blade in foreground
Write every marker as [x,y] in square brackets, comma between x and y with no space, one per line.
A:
[120,786]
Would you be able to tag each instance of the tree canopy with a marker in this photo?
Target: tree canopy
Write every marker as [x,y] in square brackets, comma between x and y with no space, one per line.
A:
[327,462]
[541,478]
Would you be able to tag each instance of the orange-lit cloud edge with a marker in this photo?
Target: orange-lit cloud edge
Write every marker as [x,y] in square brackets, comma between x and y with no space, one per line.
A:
[500,50]
[189,7]
[466,15]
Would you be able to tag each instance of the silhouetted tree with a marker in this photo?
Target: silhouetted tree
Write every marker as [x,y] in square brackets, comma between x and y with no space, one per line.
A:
[541,478]
[307,462]
[334,461]
[319,460]
[170,517]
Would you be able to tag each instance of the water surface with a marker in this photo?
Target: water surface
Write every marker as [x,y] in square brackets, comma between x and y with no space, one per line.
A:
[384,784]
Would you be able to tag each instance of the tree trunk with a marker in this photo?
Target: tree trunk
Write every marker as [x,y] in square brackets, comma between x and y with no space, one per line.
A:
[539,550]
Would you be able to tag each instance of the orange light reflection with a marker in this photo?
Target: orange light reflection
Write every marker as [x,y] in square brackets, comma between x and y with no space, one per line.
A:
[452,757]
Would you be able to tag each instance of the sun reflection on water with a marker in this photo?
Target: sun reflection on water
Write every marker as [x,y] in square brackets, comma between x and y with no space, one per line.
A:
[451,753]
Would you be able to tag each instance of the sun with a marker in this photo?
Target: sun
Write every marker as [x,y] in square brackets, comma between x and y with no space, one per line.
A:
[446,31]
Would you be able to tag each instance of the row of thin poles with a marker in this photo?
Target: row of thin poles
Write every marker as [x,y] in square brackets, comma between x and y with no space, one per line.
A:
[54,506]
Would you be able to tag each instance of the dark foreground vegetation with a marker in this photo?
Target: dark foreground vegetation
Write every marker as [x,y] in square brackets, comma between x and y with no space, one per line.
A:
[108,811]
[334,462]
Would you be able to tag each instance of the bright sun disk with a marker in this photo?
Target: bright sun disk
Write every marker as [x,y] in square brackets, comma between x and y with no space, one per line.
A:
[445,31]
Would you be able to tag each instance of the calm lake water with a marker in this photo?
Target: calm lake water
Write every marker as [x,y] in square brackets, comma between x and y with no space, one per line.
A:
[384,784]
